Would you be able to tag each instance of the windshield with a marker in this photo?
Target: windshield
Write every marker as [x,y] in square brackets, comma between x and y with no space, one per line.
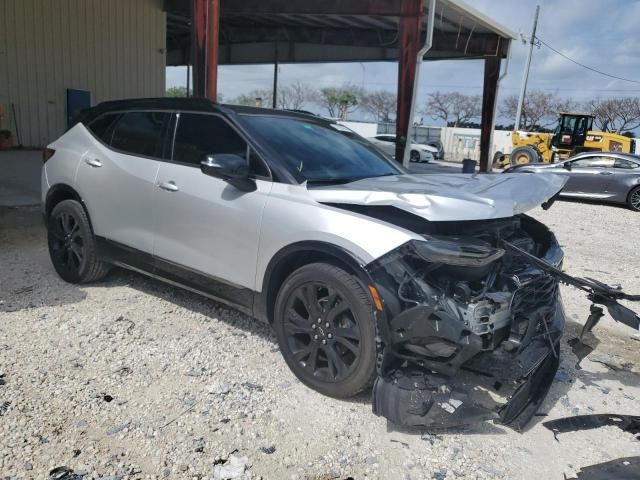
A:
[320,153]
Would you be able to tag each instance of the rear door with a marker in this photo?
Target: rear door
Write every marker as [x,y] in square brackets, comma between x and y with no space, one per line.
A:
[117,174]
[206,230]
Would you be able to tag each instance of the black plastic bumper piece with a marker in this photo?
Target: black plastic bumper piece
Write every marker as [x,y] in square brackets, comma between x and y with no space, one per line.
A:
[502,386]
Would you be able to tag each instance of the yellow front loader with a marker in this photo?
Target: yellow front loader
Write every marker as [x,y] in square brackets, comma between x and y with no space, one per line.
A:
[572,135]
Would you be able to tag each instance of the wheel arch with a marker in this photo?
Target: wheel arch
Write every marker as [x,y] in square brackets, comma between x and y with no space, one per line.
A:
[294,256]
[60,192]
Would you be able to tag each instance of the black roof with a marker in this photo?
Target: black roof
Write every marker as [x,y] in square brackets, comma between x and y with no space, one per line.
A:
[196,104]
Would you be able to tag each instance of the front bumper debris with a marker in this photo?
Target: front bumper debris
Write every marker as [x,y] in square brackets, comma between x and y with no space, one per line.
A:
[472,323]
[493,386]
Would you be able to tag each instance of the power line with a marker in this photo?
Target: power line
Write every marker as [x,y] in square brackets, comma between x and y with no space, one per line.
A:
[583,65]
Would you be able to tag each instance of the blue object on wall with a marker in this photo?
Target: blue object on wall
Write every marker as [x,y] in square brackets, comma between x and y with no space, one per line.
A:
[77,100]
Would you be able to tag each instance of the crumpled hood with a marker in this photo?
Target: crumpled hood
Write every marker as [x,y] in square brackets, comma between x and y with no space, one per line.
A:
[449,196]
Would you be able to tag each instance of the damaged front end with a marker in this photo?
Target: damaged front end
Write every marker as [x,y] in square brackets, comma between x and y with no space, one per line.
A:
[472,323]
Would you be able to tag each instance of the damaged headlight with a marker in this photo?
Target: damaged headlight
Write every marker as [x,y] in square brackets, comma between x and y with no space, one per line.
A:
[462,252]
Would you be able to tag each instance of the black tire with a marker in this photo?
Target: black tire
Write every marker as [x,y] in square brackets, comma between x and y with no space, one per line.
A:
[523,155]
[332,349]
[633,200]
[72,246]
[414,156]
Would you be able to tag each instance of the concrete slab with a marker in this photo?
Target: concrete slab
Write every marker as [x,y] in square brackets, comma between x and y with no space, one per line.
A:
[20,177]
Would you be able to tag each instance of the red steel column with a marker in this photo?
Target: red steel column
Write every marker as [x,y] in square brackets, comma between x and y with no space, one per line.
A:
[205,38]
[412,13]
[489,94]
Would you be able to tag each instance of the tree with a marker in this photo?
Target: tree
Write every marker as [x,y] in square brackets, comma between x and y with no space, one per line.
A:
[340,101]
[540,109]
[254,98]
[294,96]
[176,92]
[381,104]
[453,108]
[615,114]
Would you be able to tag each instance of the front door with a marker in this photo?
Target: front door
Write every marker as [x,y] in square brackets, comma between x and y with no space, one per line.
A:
[206,230]
[590,176]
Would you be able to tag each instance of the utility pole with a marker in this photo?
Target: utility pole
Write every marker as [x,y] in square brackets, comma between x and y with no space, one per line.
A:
[525,75]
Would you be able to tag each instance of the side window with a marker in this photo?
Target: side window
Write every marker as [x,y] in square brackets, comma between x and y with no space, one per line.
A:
[594,162]
[199,135]
[625,164]
[102,127]
[140,133]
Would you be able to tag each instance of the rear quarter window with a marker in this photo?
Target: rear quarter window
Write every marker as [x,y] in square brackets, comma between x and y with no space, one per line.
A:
[102,127]
[140,133]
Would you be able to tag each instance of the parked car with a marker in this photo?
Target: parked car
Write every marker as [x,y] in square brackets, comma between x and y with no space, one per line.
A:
[419,153]
[607,176]
[427,284]
[437,144]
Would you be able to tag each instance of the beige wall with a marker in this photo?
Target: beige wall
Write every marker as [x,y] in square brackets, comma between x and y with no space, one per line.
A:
[114,48]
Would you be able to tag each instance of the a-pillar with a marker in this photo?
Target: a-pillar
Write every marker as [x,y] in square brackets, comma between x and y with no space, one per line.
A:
[489,94]
[412,13]
[205,29]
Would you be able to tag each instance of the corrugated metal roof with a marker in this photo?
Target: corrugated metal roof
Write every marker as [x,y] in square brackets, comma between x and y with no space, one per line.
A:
[356,30]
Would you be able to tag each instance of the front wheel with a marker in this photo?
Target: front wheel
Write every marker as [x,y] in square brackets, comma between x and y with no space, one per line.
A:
[324,322]
[72,246]
[523,155]
[414,156]
[633,200]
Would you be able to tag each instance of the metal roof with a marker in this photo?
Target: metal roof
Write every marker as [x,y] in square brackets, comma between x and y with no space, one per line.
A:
[332,31]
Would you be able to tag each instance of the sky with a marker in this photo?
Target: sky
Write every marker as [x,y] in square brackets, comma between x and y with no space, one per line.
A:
[603,34]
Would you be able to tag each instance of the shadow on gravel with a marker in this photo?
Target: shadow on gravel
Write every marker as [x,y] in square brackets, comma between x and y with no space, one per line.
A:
[25,285]
[190,301]
[593,202]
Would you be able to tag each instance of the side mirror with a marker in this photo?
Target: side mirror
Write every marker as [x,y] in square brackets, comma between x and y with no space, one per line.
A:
[231,168]
[567,166]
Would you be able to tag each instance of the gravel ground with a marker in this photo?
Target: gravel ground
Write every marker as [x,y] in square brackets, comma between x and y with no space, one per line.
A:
[131,378]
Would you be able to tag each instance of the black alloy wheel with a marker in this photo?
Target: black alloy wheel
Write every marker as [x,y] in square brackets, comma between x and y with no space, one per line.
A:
[67,244]
[324,321]
[321,331]
[414,156]
[634,199]
[72,245]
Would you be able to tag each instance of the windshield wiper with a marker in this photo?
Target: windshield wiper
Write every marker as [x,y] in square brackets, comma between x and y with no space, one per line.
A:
[342,181]
[331,181]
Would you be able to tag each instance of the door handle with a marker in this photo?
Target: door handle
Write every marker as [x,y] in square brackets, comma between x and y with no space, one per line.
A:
[94,162]
[605,173]
[169,186]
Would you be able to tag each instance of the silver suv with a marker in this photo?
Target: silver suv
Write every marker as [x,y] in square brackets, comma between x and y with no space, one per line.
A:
[436,287]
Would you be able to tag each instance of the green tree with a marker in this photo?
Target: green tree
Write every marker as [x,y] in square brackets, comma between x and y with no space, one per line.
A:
[340,101]
[176,92]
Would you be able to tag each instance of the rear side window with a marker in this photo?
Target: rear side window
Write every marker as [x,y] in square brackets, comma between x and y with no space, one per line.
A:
[102,127]
[200,135]
[140,133]
[626,164]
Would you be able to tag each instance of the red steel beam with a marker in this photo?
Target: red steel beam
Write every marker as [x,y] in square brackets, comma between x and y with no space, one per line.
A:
[489,94]
[410,23]
[205,38]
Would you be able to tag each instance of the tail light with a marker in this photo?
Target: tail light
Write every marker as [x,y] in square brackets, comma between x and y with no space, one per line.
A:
[47,153]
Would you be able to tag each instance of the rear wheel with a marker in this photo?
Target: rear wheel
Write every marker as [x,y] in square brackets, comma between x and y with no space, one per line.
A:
[634,199]
[324,322]
[523,155]
[72,246]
